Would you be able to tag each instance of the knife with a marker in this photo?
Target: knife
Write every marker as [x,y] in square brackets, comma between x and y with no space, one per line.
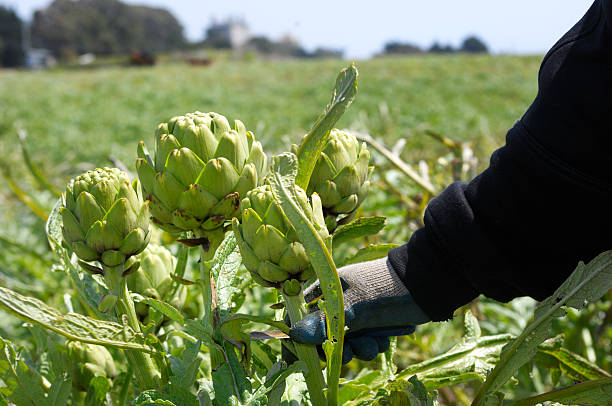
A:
[267,335]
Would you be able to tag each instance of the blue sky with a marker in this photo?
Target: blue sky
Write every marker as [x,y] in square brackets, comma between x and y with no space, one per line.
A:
[361,27]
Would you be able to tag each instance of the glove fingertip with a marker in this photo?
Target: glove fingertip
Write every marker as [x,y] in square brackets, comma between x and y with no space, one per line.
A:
[347,353]
[364,348]
[383,343]
[310,330]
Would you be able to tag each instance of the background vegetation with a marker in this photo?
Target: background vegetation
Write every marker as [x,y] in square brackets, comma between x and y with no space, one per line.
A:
[69,28]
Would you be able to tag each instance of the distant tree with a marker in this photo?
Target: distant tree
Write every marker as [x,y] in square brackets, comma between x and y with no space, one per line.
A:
[266,46]
[104,27]
[473,44]
[159,31]
[261,44]
[396,47]
[437,48]
[11,41]
[326,53]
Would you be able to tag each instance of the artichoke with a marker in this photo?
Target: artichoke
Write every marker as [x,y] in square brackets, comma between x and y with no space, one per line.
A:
[104,218]
[340,176]
[89,361]
[268,243]
[154,277]
[201,169]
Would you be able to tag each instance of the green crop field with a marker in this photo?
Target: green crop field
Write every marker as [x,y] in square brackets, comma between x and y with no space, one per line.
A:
[83,116]
[76,119]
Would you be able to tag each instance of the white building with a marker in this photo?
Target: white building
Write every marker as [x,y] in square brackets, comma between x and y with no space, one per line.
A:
[233,32]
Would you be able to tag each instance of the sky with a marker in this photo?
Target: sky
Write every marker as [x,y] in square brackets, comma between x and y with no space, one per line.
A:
[362,27]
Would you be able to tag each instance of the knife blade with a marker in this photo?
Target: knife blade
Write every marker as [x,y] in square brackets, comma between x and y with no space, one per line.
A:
[267,335]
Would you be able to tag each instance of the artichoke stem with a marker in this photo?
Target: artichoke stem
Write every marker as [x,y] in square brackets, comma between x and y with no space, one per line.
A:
[296,309]
[206,313]
[146,372]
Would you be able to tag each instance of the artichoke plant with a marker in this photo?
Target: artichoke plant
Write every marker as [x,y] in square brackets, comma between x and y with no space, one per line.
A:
[154,277]
[270,249]
[89,361]
[104,218]
[201,169]
[340,176]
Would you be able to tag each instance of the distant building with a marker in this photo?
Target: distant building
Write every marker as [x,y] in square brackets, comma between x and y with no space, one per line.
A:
[39,58]
[232,33]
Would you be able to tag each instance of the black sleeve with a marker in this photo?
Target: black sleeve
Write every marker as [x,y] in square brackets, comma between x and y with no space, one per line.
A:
[545,202]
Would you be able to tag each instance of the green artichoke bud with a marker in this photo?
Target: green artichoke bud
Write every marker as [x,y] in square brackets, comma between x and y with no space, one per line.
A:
[340,176]
[270,249]
[89,361]
[154,277]
[104,217]
[201,169]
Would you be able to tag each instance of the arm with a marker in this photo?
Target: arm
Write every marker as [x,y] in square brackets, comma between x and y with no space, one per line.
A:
[520,227]
[544,203]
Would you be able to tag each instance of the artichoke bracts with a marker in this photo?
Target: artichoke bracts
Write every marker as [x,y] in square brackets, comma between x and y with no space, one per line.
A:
[154,278]
[340,176]
[104,218]
[201,169]
[89,361]
[268,243]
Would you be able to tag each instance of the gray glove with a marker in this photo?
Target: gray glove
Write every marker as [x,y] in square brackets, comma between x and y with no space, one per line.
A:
[377,306]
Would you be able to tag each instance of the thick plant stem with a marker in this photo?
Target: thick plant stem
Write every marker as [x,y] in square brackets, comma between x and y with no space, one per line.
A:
[144,368]
[206,313]
[146,372]
[307,353]
[207,252]
[126,385]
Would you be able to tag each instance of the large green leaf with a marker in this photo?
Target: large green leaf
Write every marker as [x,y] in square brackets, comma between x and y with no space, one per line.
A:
[587,283]
[552,356]
[21,384]
[185,369]
[172,396]
[471,359]
[229,380]
[72,325]
[228,275]
[361,227]
[311,147]
[99,388]
[60,390]
[597,392]
[263,396]
[283,185]
[164,308]
[370,253]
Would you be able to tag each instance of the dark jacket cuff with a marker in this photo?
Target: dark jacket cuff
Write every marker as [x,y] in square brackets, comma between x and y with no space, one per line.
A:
[436,289]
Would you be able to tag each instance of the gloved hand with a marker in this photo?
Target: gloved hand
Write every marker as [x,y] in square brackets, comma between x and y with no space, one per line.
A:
[377,306]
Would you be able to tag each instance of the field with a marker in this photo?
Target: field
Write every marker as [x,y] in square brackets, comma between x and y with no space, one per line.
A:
[75,120]
[84,116]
